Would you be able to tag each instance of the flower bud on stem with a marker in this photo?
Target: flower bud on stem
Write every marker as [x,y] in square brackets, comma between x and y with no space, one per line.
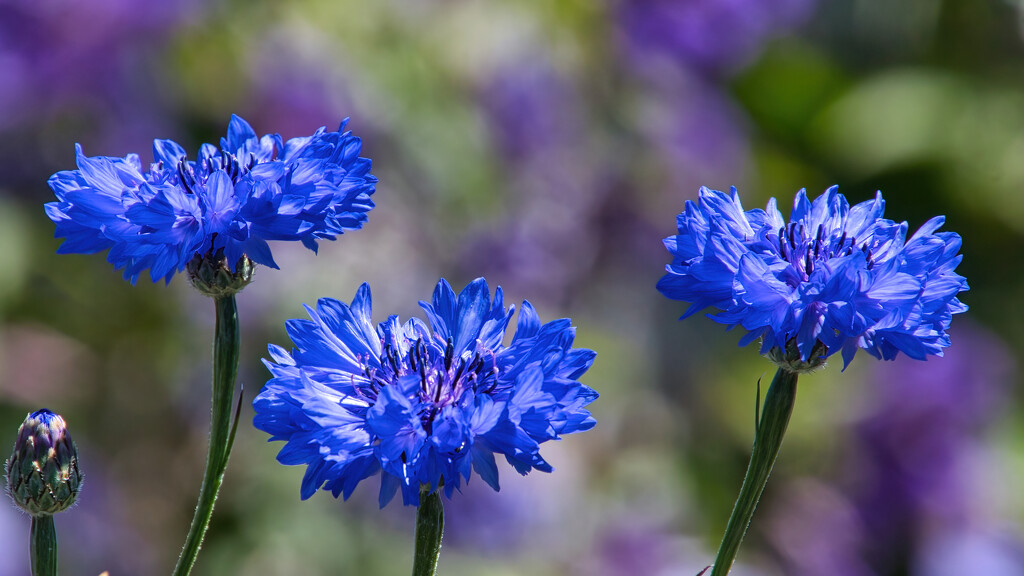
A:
[43,479]
[778,406]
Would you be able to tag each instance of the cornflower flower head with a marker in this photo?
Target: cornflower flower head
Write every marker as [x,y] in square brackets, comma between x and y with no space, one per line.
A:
[423,403]
[223,206]
[834,278]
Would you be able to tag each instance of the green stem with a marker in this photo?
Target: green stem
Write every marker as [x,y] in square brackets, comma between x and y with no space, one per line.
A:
[429,530]
[778,406]
[43,548]
[226,342]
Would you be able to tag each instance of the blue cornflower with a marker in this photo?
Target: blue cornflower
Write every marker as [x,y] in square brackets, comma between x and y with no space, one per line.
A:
[834,278]
[425,404]
[228,202]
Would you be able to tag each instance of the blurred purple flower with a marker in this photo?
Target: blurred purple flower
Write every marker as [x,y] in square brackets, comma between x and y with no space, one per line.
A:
[293,90]
[698,132]
[636,548]
[56,49]
[923,431]
[804,510]
[713,36]
[80,67]
[14,533]
[90,541]
[908,501]
[638,545]
[531,110]
[571,212]
[970,551]
[546,241]
[524,506]
[913,476]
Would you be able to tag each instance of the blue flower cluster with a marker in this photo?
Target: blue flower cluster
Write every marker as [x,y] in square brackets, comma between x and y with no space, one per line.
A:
[233,198]
[423,403]
[834,278]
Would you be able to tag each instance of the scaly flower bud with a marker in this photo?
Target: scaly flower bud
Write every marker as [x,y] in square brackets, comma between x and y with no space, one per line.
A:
[42,473]
[212,275]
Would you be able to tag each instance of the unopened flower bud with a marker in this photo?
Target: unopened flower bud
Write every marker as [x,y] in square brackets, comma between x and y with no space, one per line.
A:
[42,473]
[212,276]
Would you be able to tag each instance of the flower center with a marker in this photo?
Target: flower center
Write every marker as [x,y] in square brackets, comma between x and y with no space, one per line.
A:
[804,252]
[222,162]
[443,377]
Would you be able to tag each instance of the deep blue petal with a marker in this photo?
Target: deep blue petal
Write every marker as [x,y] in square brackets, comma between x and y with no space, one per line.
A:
[472,308]
[239,134]
[169,152]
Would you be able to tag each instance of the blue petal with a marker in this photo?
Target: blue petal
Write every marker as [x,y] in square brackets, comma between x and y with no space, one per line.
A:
[485,466]
[471,313]
[168,152]
[441,310]
[239,133]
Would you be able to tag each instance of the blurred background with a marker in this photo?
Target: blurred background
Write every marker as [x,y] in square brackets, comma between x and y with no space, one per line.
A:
[547,146]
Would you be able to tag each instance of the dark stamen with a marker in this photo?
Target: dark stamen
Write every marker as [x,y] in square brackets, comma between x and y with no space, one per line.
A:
[428,423]
[458,373]
[389,350]
[184,177]
[423,377]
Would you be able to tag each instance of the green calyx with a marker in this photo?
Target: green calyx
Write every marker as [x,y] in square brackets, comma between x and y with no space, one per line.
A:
[43,476]
[212,276]
[791,360]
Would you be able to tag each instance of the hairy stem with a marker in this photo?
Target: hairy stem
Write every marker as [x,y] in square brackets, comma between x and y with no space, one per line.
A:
[429,530]
[43,547]
[226,343]
[778,406]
